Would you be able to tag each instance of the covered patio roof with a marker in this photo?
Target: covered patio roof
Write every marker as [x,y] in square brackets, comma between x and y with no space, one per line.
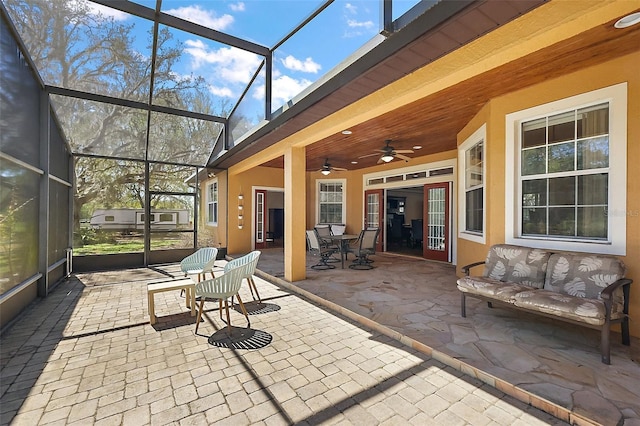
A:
[457,79]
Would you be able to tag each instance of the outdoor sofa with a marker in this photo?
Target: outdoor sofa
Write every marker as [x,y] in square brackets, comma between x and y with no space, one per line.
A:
[580,288]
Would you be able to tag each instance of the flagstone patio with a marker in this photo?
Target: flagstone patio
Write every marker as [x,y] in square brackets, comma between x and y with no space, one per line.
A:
[550,364]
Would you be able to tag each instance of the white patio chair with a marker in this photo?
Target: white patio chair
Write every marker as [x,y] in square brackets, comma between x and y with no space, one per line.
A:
[200,262]
[250,262]
[222,288]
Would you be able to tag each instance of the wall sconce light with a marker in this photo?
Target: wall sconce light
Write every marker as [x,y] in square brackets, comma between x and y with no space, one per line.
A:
[240,211]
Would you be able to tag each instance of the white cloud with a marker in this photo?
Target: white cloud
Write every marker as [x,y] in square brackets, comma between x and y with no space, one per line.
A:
[207,18]
[284,89]
[237,7]
[297,65]
[223,92]
[352,23]
[351,8]
[232,65]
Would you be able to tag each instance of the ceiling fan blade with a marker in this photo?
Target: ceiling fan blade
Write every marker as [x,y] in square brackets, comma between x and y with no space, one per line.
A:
[404,157]
[368,155]
[339,169]
[380,161]
[403,151]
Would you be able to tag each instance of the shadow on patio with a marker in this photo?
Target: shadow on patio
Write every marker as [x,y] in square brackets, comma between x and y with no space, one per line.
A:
[372,347]
[550,364]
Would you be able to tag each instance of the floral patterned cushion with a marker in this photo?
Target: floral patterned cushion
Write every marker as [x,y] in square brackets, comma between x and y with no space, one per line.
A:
[490,287]
[517,264]
[582,275]
[589,311]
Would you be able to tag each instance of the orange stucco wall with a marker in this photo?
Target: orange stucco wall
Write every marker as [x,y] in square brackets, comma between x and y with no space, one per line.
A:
[242,183]
[623,69]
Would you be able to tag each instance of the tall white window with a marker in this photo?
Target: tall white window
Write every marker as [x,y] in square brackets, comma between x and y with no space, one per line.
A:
[570,159]
[331,206]
[564,174]
[471,187]
[212,203]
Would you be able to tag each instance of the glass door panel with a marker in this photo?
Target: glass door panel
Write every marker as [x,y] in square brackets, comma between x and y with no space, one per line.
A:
[436,224]
[261,203]
[374,213]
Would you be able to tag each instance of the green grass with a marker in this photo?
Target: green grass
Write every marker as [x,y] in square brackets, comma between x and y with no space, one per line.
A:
[125,247]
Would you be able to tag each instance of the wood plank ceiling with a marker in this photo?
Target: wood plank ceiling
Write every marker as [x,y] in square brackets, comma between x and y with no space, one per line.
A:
[433,122]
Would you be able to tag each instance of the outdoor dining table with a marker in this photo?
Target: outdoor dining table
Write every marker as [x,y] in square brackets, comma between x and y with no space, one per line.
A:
[343,243]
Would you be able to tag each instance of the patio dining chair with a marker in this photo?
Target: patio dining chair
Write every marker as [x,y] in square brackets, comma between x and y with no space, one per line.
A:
[353,246]
[325,233]
[222,288]
[200,262]
[367,247]
[416,233]
[338,229]
[316,248]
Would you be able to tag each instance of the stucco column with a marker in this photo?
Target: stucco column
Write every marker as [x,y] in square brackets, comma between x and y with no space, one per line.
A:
[294,213]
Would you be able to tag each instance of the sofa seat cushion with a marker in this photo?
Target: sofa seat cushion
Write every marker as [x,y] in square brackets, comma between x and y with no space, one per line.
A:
[517,264]
[490,287]
[589,311]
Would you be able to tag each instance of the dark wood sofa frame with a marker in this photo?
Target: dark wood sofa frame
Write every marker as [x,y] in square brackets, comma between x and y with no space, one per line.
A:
[605,329]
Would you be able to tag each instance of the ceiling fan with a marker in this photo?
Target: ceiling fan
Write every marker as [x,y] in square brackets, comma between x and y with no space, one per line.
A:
[327,168]
[389,153]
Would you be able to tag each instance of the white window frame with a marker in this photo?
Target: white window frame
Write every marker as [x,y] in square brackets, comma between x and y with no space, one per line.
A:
[616,242]
[343,182]
[215,202]
[479,136]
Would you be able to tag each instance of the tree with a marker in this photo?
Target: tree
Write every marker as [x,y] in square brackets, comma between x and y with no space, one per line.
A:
[74,47]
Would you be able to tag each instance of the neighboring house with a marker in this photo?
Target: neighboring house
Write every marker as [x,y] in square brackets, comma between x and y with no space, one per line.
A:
[545,158]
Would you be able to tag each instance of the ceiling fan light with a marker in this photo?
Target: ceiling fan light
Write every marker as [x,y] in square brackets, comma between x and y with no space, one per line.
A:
[325,171]
[628,20]
[386,158]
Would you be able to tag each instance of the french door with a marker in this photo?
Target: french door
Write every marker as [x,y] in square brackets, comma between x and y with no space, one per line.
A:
[436,231]
[260,218]
[374,213]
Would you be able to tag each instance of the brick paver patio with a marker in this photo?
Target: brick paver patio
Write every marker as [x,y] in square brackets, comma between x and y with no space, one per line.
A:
[88,355]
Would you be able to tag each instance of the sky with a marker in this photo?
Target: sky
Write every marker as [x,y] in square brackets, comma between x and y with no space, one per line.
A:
[337,32]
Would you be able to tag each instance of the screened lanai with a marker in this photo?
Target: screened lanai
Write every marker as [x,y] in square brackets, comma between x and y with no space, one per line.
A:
[112,111]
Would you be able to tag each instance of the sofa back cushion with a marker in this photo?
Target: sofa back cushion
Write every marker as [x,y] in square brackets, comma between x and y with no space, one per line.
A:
[517,264]
[582,274]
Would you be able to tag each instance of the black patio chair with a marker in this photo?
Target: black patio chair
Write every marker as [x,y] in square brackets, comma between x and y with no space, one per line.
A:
[316,248]
[367,247]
